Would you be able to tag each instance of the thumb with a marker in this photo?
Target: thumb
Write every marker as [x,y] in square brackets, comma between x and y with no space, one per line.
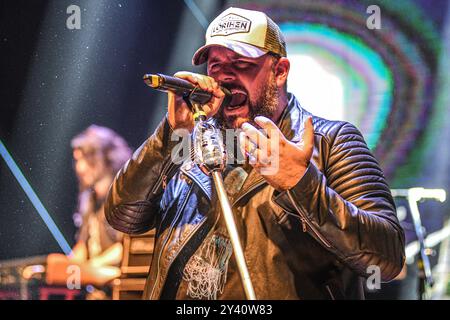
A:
[307,139]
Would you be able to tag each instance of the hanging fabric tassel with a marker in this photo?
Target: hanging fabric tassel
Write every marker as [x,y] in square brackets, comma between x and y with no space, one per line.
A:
[206,271]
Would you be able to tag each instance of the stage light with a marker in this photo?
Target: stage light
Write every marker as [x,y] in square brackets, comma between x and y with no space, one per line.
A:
[197,12]
[34,199]
[345,80]
[319,91]
[190,36]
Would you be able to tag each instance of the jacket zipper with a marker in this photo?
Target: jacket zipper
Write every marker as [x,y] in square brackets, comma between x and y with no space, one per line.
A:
[177,215]
[303,219]
[306,222]
[330,292]
[162,180]
[303,224]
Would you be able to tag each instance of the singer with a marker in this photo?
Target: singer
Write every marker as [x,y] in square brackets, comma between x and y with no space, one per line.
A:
[309,230]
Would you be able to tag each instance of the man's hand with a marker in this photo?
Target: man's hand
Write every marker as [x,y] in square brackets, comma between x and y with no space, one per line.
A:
[281,162]
[179,114]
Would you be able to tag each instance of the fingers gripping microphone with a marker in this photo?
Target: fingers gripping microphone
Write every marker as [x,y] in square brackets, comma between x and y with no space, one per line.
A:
[210,152]
[208,144]
[183,88]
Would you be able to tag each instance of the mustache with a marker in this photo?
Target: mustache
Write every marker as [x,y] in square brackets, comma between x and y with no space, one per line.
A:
[233,86]
[238,91]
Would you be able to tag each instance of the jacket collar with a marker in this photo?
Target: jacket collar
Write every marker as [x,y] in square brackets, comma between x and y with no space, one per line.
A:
[192,170]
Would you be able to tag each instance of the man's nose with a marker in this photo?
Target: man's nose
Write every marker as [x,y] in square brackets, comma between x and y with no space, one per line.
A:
[226,75]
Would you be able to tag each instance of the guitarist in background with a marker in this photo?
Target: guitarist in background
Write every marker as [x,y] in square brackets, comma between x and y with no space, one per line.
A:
[98,154]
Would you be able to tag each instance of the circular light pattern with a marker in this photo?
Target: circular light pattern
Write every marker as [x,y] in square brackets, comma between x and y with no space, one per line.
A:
[388,73]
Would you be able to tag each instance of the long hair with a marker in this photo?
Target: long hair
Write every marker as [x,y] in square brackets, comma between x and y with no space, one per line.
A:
[113,147]
[115,153]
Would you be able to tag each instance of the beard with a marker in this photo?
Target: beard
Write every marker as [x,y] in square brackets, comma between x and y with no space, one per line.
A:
[265,104]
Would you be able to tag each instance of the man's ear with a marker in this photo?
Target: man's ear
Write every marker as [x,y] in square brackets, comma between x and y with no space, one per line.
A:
[282,71]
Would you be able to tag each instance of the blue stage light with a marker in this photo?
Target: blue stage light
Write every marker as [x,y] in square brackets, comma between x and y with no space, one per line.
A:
[34,199]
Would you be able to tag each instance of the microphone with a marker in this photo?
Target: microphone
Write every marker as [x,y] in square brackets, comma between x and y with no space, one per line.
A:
[183,87]
[208,145]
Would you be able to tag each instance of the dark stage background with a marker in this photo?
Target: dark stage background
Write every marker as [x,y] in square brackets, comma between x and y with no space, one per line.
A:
[55,82]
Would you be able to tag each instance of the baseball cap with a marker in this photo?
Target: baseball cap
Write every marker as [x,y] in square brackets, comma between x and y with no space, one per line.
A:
[247,32]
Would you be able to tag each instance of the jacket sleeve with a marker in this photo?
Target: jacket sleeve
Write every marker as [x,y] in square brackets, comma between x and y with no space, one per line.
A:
[133,201]
[348,208]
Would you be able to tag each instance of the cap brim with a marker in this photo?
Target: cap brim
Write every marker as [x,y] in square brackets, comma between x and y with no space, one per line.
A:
[244,49]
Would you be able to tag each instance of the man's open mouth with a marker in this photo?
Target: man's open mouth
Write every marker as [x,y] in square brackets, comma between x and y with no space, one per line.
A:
[238,99]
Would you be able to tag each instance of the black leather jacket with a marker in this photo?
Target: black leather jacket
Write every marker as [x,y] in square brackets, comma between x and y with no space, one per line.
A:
[314,241]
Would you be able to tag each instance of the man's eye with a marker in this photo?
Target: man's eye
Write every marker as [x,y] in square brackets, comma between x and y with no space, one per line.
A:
[214,67]
[242,64]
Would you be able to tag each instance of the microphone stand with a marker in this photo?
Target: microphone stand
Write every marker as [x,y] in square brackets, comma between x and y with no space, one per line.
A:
[212,161]
[234,236]
[414,195]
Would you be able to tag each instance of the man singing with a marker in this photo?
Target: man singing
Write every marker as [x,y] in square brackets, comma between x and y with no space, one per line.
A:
[309,229]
